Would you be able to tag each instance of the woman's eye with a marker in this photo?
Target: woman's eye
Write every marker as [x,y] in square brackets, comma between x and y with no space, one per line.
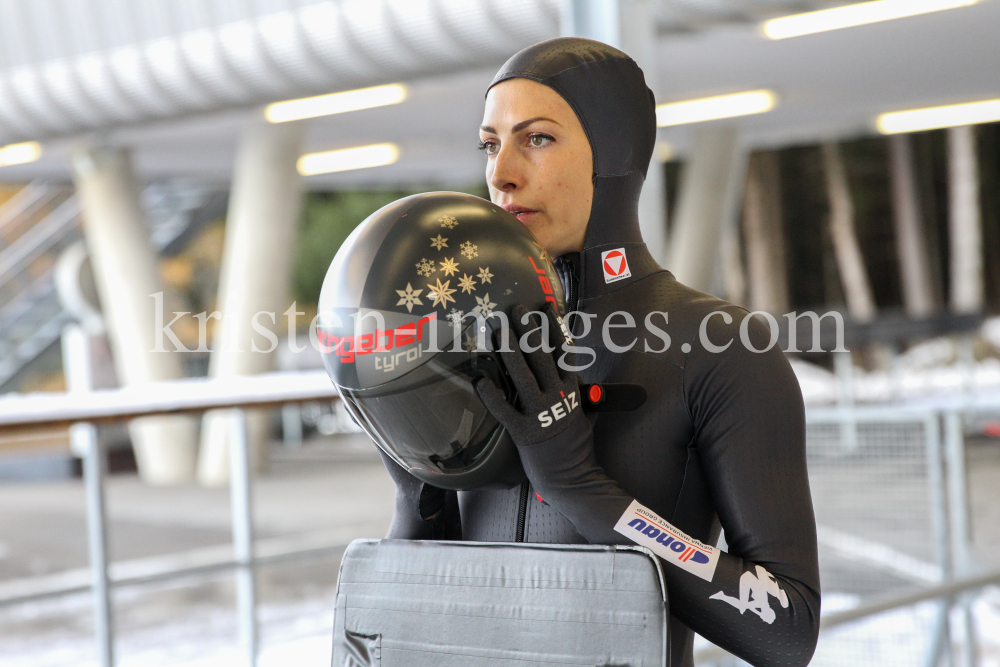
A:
[488,147]
[539,140]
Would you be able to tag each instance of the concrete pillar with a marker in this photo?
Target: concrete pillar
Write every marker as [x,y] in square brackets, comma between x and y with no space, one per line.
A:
[965,221]
[709,192]
[846,248]
[126,273]
[911,243]
[732,283]
[764,232]
[255,276]
[628,25]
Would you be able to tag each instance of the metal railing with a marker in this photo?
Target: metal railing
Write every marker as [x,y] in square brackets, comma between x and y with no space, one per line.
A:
[891,496]
[944,473]
[84,410]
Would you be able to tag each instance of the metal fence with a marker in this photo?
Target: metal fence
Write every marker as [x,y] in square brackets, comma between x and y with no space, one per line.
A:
[889,487]
[898,573]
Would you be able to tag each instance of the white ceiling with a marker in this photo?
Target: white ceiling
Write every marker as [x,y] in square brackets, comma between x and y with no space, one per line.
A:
[829,85]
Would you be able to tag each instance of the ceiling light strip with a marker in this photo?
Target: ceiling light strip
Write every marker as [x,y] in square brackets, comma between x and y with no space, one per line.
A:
[334,103]
[931,118]
[347,159]
[850,16]
[714,108]
[11,154]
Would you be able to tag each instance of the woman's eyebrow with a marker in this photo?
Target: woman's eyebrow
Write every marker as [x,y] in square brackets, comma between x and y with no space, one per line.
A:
[525,123]
[520,126]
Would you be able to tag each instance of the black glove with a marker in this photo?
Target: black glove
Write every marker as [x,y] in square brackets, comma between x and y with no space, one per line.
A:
[552,434]
[548,397]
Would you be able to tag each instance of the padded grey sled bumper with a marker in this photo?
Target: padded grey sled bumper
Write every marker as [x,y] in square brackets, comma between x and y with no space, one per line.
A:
[407,603]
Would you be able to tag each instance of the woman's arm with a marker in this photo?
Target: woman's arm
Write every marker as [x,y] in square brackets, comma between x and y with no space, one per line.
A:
[422,511]
[761,600]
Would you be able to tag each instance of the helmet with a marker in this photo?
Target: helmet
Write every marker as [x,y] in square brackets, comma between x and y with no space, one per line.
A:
[406,324]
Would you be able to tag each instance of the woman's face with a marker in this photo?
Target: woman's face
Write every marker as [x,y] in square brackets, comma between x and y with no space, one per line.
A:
[538,162]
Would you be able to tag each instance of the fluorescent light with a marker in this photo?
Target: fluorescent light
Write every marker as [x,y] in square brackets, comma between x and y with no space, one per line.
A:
[346,159]
[325,105]
[712,108]
[10,154]
[853,15]
[953,115]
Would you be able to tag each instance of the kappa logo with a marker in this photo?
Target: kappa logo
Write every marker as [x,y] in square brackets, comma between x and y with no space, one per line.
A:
[754,592]
[646,529]
[615,265]
[559,410]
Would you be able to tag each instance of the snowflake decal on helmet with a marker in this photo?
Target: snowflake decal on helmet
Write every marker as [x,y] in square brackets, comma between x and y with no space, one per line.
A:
[485,305]
[467,284]
[449,266]
[470,250]
[425,268]
[448,221]
[408,297]
[484,275]
[441,293]
[438,242]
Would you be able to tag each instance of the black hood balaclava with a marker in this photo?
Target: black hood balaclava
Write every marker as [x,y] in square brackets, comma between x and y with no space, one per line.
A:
[608,92]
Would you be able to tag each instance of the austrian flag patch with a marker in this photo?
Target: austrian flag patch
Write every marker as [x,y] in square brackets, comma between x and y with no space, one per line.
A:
[646,529]
[615,265]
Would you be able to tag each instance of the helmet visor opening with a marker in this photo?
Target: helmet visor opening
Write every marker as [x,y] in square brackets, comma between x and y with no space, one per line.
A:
[432,417]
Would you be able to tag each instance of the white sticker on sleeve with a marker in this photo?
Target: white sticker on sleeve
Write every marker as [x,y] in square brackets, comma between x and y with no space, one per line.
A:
[646,529]
[754,591]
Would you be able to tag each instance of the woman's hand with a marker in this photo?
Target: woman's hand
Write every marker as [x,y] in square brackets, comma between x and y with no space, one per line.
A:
[549,397]
[552,434]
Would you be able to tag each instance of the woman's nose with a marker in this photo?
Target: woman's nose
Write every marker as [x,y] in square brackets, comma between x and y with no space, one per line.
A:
[506,175]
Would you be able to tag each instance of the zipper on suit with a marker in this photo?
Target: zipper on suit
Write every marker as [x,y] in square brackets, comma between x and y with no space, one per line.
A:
[522,513]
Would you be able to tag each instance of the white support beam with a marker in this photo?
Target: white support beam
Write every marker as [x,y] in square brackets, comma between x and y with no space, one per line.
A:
[911,242]
[255,277]
[710,190]
[965,222]
[846,246]
[126,272]
[764,232]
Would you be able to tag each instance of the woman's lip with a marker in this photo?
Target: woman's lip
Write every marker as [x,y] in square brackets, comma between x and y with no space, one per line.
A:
[519,210]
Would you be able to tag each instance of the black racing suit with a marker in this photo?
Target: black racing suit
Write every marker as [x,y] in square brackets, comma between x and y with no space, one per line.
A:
[719,441]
